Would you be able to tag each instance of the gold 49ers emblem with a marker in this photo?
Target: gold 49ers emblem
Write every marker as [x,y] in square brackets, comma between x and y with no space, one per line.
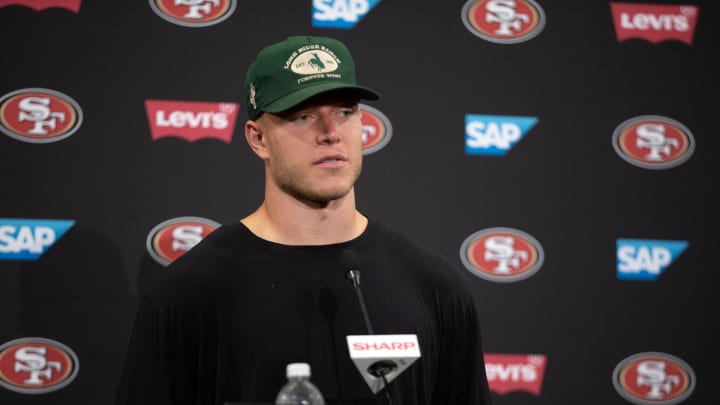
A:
[38,115]
[193,13]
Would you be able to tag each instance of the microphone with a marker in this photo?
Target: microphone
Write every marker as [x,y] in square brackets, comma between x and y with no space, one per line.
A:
[349,260]
[378,358]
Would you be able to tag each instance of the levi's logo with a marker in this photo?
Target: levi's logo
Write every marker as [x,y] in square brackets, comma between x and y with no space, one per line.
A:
[515,372]
[40,5]
[190,120]
[654,22]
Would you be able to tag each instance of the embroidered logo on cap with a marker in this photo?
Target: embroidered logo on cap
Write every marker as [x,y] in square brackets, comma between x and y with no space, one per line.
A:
[313,59]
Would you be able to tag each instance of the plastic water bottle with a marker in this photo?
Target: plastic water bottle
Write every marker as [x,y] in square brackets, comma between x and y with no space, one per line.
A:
[299,390]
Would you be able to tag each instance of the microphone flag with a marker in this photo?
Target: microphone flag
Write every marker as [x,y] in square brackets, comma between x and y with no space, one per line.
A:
[390,353]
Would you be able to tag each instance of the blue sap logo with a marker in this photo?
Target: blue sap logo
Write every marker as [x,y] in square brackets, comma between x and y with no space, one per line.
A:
[340,13]
[28,239]
[494,135]
[639,259]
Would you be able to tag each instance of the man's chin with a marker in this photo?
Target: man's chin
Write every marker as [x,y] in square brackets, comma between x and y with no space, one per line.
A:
[322,198]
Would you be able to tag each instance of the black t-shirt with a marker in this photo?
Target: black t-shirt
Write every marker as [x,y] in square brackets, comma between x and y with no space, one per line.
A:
[224,320]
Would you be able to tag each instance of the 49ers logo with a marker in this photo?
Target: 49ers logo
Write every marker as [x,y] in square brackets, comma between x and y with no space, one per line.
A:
[173,238]
[193,13]
[504,21]
[36,365]
[654,378]
[38,115]
[376,129]
[653,142]
[501,254]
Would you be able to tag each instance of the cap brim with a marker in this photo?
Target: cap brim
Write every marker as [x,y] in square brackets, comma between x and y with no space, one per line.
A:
[291,100]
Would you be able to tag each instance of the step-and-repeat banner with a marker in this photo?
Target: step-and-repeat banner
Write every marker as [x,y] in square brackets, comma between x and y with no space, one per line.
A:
[564,153]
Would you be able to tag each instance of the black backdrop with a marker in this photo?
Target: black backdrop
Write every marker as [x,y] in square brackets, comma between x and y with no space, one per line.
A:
[563,183]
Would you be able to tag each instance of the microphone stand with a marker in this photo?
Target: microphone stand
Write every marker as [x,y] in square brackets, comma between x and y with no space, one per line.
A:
[381,368]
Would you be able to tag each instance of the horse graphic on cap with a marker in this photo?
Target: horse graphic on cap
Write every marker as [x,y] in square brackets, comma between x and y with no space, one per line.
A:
[316,62]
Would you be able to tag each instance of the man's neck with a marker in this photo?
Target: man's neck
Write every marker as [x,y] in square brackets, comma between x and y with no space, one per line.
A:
[292,222]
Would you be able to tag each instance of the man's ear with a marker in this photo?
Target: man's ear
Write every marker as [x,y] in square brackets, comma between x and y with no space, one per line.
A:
[256,138]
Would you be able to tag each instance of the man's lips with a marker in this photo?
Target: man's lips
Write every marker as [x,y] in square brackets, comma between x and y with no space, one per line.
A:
[333,159]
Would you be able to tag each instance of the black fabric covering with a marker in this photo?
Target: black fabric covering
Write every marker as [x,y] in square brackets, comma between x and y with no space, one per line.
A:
[224,320]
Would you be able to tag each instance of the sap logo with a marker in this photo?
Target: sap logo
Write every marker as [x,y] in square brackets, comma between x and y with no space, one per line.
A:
[28,239]
[340,13]
[639,259]
[494,135]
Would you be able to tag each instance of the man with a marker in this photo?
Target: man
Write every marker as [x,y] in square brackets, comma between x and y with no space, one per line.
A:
[271,289]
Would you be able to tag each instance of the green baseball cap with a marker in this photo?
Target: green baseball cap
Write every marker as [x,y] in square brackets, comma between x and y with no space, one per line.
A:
[287,73]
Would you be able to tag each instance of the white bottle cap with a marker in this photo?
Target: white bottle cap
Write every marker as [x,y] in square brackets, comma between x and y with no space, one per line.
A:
[298,370]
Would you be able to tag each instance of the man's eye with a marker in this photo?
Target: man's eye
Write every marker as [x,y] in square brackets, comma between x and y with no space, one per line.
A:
[349,111]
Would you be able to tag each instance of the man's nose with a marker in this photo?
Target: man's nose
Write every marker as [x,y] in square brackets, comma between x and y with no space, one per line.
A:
[327,131]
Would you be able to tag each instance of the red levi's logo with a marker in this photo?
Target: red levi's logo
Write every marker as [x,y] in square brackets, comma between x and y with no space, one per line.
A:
[191,120]
[654,23]
[40,5]
[515,372]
